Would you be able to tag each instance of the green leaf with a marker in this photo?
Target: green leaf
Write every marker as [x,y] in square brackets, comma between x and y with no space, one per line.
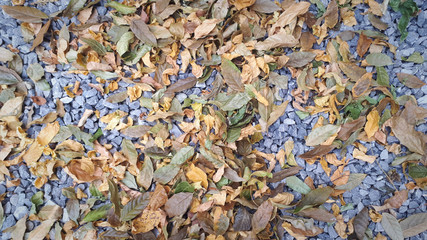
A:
[96,135]
[402,25]
[416,57]
[80,135]
[97,214]
[37,201]
[382,77]
[25,14]
[74,6]
[165,174]
[123,43]
[417,171]
[379,59]
[95,192]
[42,85]
[8,76]
[182,155]
[129,151]
[184,187]
[121,8]
[69,192]
[114,196]
[313,198]
[129,180]
[232,101]
[391,226]
[302,115]
[233,134]
[95,45]
[321,134]
[354,180]
[231,74]
[297,185]
[105,75]
[35,71]
[135,207]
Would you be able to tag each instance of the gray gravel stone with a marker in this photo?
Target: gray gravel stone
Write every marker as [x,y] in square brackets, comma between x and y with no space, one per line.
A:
[20,212]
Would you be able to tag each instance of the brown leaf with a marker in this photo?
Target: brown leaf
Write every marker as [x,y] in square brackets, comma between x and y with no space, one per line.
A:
[277,40]
[159,198]
[407,135]
[205,28]
[350,127]
[42,230]
[318,214]
[180,85]
[278,176]
[142,32]
[398,199]
[362,85]
[146,222]
[136,131]
[376,22]
[372,123]
[240,4]
[314,198]
[351,70]
[410,80]
[25,14]
[300,59]
[40,35]
[242,220]
[39,100]
[262,216]
[178,204]
[265,6]
[361,222]
[363,45]
[317,151]
[331,14]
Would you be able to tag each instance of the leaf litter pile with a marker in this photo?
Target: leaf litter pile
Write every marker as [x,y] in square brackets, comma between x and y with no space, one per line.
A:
[210,182]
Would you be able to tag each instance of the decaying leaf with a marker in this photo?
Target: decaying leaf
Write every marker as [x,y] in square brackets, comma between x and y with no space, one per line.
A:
[392,227]
[262,216]
[414,225]
[410,80]
[25,14]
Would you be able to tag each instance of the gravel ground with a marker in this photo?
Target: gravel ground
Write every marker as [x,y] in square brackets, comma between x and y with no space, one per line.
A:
[373,191]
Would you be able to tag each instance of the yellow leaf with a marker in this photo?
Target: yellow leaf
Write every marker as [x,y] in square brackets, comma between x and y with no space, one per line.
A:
[325,166]
[283,198]
[197,175]
[35,151]
[362,156]
[148,220]
[372,126]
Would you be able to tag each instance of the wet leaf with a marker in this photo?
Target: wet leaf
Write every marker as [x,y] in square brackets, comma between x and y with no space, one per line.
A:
[178,204]
[262,216]
[300,59]
[321,134]
[392,227]
[143,33]
[314,198]
[361,222]
[414,225]
[297,185]
[25,14]
[95,45]
[379,59]
[410,80]
[134,207]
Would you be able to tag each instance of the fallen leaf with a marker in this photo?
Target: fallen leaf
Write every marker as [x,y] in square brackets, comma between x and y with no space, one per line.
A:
[143,33]
[378,59]
[148,220]
[321,134]
[262,216]
[40,35]
[392,227]
[25,14]
[314,198]
[361,222]
[42,230]
[178,204]
[414,225]
[196,174]
[134,207]
[318,214]
[300,59]
[205,28]
[410,80]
